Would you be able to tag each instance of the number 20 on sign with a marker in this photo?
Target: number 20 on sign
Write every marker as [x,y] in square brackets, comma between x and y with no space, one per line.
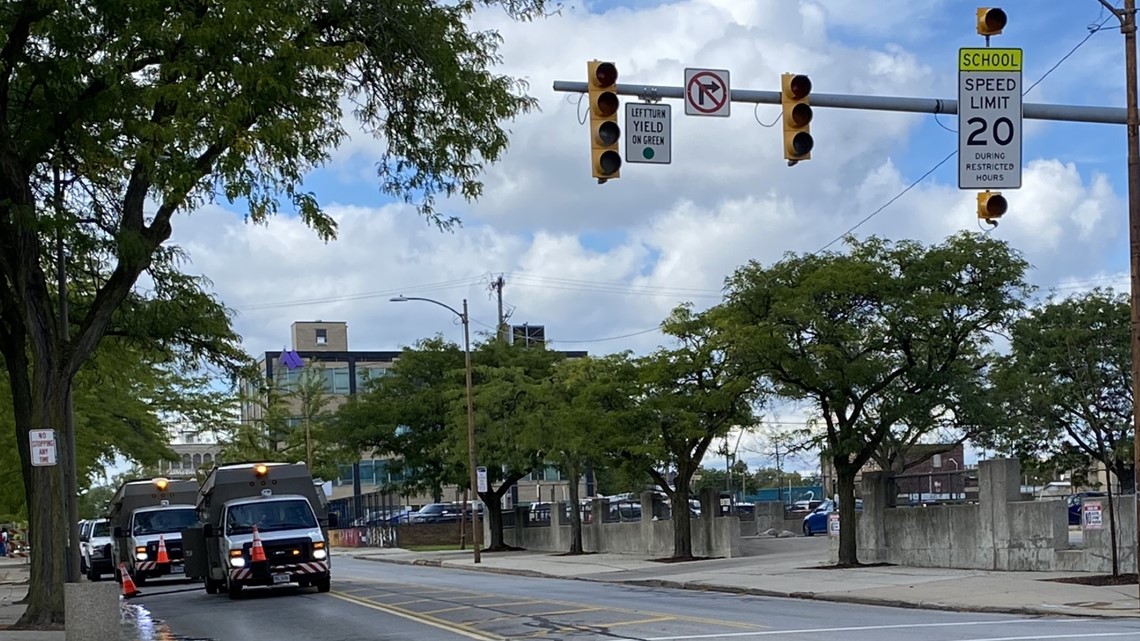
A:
[989,118]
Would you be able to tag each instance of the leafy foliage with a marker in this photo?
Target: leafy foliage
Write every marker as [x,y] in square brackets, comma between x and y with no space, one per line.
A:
[106,108]
[689,396]
[406,413]
[1066,386]
[880,336]
[506,382]
[583,409]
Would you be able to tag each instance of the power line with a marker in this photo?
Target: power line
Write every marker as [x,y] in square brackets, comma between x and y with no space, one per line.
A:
[1093,30]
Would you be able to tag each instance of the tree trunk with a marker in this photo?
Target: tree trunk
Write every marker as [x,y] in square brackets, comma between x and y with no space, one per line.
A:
[682,524]
[848,531]
[575,511]
[1112,529]
[494,512]
[39,398]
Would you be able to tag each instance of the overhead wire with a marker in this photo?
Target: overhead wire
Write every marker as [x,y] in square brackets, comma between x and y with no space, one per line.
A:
[1093,29]
[577,285]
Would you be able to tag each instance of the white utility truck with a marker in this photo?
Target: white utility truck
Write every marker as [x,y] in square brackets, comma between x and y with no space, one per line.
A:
[275,504]
[144,513]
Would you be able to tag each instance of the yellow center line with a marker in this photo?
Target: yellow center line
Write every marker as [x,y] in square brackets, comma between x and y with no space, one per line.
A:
[403,602]
[425,620]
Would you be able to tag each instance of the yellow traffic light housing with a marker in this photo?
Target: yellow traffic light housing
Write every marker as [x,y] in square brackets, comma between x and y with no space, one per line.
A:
[794,92]
[605,134]
[991,205]
[991,21]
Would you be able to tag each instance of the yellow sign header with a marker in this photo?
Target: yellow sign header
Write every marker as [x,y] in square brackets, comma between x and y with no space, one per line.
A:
[987,59]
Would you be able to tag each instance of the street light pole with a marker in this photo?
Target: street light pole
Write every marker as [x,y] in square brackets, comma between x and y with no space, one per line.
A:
[476,524]
[1127,17]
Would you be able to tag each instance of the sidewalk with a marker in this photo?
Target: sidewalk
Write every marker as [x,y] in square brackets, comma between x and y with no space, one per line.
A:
[13,587]
[792,573]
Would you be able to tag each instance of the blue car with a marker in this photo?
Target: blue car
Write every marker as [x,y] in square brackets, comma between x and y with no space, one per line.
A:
[816,522]
[1075,501]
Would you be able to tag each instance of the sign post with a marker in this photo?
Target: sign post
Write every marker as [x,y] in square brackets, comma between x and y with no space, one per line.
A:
[707,93]
[43,447]
[989,118]
[648,133]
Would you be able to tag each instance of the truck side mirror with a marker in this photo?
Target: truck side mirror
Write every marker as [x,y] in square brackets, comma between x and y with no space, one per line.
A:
[334,520]
[118,532]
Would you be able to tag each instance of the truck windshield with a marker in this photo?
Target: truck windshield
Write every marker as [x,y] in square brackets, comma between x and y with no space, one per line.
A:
[164,521]
[270,516]
[102,528]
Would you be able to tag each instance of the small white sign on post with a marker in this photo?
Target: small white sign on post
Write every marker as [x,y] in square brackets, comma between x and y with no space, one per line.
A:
[989,118]
[43,447]
[707,92]
[1092,515]
[481,475]
[648,133]
[833,524]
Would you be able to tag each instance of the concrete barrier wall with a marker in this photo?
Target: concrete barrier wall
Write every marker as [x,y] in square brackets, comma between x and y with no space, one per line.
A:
[1000,532]
[712,537]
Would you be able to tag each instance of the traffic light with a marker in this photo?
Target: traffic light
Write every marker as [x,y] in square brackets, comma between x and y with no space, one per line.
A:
[991,205]
[798,142]
[990,21]
[605,133]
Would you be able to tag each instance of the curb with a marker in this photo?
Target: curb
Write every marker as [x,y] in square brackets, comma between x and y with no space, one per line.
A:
[759,592]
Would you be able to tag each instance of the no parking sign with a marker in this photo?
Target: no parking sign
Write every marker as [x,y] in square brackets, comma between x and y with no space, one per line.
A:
[1092,515]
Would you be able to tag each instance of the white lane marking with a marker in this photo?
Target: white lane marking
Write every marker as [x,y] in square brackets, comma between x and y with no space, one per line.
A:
[1074,635]
[725,635]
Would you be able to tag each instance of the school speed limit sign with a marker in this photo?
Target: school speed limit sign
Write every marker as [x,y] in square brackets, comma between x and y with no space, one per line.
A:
[989,118]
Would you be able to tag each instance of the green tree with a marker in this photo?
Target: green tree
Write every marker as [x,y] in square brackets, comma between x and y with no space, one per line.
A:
[109,106]
[406,414]
[873,337]
[1066,386]
[582,406]
[124,397]
[506,381]
[690,395]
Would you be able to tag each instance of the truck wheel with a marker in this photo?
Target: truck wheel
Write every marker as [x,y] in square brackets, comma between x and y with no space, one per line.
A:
[234,591]
[324,585]
[92,575]
[211,586]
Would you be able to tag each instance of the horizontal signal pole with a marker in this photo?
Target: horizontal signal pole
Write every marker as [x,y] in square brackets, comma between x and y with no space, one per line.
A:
[1032,111]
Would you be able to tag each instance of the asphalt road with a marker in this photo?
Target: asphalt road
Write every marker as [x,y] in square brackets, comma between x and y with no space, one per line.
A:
[384,601]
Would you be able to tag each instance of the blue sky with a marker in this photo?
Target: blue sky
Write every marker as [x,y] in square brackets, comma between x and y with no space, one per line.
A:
[601,265]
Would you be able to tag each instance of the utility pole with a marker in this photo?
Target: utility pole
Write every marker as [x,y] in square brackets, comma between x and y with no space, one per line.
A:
[1127,18]
[501,329]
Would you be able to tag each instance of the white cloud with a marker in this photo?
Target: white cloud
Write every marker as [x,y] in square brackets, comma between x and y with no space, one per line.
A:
[728,196]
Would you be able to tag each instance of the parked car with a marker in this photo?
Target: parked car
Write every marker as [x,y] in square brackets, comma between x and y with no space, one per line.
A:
[816,522]
[1075,501]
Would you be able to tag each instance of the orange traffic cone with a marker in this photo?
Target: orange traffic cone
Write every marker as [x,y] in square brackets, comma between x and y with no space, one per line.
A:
[162,557]
[256,552]
[129,589]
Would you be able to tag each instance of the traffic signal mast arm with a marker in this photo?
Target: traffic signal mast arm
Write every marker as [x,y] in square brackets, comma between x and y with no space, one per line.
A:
[1031,111]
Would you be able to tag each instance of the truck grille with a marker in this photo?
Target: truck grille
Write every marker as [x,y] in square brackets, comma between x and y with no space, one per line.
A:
[283,551]
[173,549]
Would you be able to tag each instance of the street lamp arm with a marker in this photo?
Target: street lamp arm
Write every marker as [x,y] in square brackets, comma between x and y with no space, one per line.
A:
[401,299]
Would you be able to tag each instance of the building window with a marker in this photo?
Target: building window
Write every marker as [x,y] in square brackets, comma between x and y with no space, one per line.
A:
[322,336]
